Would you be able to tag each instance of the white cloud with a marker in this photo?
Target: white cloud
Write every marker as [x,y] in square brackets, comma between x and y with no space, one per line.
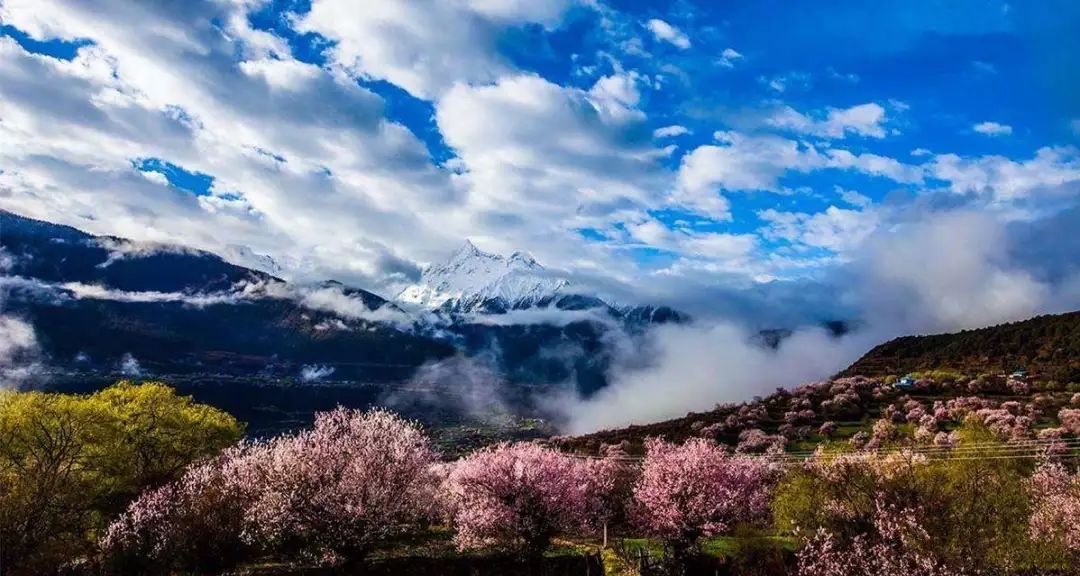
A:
[129,366]
[1054,171]
[834,229]
[166,84]
[423,46]
[315,372]
[852,197]
[568,159]
[155,177]
[307,167]
[740,163]
[875,165]
[944,272]
[992,129]
[781,82]
[743,162]
[695,367]
[666,32]
[670,131]
[728,58]
[617,96]
[862,120]
[18,351]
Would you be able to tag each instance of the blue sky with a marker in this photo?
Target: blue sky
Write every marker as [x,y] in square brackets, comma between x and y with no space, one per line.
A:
[684,151]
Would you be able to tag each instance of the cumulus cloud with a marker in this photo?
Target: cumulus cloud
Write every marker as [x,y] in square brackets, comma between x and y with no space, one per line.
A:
[425,47]
[667,33]
[1054,171]
[992,129]
[852,197]
[861,120]
[738,162]
[835,229]
[164,82]
[748,162]
[601,162]
[670,131]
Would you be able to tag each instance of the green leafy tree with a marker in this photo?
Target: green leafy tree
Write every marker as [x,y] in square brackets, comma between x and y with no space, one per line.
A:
[68,463]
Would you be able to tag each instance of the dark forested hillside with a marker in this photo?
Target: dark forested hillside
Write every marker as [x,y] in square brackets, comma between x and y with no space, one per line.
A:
[1047,346]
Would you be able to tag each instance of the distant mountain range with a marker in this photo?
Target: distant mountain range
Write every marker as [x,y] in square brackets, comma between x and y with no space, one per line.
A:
[105,307]
[472,281]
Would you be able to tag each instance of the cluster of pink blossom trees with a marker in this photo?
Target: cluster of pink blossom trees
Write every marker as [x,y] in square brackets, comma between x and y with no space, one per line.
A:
[357,480]
[332,493]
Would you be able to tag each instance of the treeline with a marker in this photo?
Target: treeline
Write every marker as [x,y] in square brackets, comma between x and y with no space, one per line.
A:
[1047,346]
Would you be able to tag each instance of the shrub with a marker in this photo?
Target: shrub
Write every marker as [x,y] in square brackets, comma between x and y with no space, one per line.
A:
[1070,420]
[896,545]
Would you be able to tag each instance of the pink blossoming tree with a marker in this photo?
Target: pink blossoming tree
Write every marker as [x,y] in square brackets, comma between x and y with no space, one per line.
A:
[193,524]
[897,545]
[1055,496]
[516,496]
[337,491]
[697,489]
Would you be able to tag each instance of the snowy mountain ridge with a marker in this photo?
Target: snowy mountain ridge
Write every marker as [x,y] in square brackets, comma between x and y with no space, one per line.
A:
[472,280]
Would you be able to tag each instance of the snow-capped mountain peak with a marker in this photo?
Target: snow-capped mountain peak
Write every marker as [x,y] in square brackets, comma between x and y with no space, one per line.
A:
[472,280]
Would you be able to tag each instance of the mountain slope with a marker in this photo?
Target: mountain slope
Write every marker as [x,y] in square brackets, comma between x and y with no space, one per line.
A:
[1047,346]
[93,301]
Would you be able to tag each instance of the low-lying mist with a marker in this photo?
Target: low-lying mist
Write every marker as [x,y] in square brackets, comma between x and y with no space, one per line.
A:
[945,271]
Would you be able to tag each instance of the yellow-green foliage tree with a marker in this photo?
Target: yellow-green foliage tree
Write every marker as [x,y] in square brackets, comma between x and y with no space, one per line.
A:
[68,463]
[974,511]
